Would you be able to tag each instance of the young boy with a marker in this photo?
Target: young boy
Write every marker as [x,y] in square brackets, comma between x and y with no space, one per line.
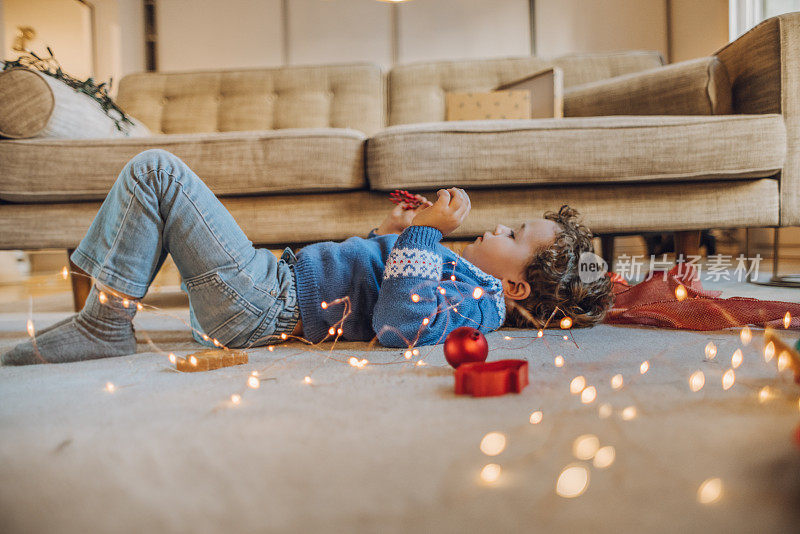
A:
[406,289]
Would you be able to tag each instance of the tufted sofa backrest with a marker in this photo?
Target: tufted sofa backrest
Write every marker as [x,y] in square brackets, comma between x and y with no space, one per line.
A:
[336,96]
[417,90]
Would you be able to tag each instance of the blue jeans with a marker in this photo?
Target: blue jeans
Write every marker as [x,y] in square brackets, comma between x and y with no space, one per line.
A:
[238,295]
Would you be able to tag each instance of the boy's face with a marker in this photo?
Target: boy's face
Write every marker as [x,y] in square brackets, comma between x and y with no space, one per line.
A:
[505,252]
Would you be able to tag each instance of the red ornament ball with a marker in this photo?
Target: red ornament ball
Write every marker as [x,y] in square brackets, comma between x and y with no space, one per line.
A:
[465,344]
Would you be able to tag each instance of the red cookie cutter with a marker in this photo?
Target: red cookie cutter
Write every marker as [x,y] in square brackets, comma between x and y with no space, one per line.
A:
[489,379]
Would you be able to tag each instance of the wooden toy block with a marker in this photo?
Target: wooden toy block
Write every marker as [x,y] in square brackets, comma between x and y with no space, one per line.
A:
[207,360]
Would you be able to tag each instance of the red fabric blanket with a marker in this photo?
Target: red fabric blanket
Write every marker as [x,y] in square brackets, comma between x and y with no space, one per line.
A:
[654,302]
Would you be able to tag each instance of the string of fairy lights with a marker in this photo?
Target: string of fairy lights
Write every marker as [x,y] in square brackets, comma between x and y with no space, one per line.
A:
[587,449]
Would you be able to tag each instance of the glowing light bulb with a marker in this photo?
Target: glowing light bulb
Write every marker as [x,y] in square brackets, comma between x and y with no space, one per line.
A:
[421,363]
[565,338]
[490,473]
[102,298]
[696,381]
[764,394]
[307,380]
[616,381]
[629,413]
[539,333]
[507,338]
[572,481]
[254,382]
[339,332]
[441,290]
[736,359]
[559,361]
[414,298]
[64,273]
[364,362]
[787,320]
[172,358]
[254,373]
[453,277]
[709,491]
[193,360]
[477,293]
[331,331]
[604,457]
[271,348]
[680,292]
[577,385]
[783,361]
[353,361]
[323,305]
[711,350]
[584,447]
[644,367]
[110,387]
[30,328]
[236,399]
[604,411]
[205,337]
[415,352]
[566,322]
[139,306]
[746,335]
[769,351]
[407,354]
[493,443]
[588,395]
[536,417]
[125,303]
[728,379]
[216,343]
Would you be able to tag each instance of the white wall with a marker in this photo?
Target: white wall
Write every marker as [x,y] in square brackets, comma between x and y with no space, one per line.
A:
[460,29]
[2,32]
[131,19]
[210,34]
[698,28]
[339,32]
[64,25]
[574,26]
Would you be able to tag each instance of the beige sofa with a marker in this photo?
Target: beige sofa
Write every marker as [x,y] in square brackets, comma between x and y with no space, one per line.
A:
[300,154]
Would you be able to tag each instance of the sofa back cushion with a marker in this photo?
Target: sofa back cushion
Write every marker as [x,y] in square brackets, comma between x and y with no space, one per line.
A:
[337,96]
[417,91]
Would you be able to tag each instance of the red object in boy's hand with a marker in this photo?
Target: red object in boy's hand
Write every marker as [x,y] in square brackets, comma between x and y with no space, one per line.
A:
[489,379]
[465,344]
[400,196]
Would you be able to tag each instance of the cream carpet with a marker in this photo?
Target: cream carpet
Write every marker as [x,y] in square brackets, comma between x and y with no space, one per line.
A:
[390,448]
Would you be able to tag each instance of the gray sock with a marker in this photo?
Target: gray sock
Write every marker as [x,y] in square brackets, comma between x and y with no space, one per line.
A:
[100,330]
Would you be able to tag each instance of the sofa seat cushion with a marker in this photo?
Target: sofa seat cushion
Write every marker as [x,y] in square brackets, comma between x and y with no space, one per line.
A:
[231,163]
[576,151]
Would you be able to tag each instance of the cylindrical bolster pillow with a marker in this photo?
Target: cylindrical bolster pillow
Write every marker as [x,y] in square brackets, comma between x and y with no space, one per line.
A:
[33,104]
[26,103]
[695,87]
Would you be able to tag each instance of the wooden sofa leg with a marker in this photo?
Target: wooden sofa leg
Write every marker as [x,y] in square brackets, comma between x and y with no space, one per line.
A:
[607,249]
[81,284]
[687,243]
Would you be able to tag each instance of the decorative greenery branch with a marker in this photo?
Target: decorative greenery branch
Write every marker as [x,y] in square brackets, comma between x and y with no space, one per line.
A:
[52,67]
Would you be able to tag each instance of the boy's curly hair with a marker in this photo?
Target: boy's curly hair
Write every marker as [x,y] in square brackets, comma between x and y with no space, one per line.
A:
[552,273]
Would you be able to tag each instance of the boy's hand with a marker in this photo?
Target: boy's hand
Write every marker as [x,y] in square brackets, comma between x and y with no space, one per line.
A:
[447,213]
[400,217]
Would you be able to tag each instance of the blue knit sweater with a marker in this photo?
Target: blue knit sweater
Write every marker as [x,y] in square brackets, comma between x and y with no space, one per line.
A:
[406,290]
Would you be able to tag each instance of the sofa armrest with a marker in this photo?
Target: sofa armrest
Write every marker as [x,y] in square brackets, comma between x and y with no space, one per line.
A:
[764,68]
[695,87]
